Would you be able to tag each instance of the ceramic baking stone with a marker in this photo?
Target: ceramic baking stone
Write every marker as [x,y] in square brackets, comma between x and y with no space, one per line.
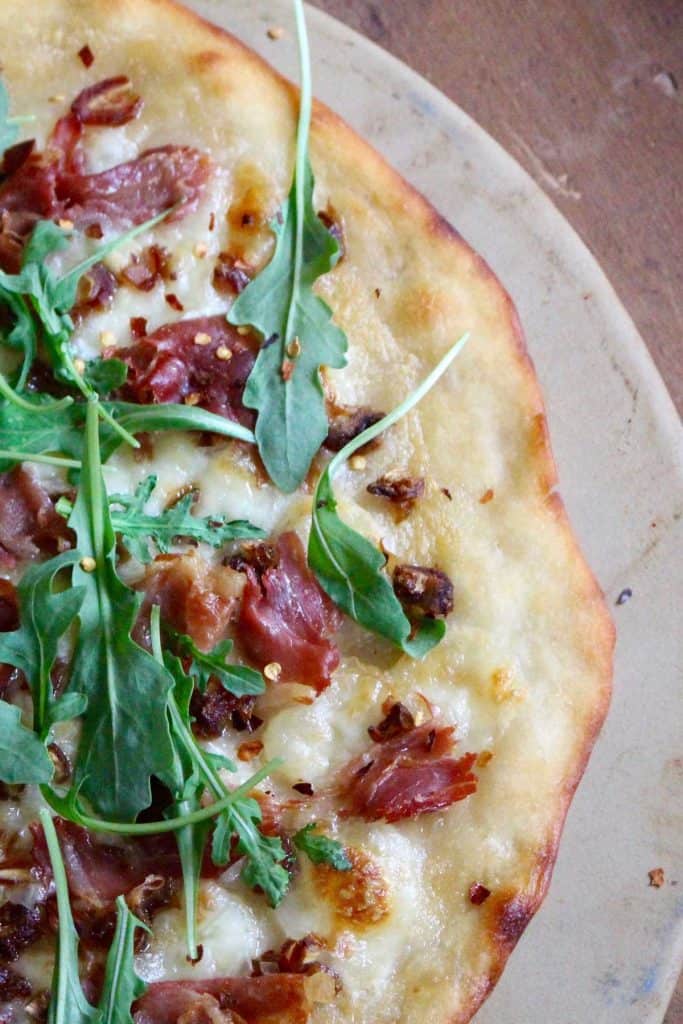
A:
[606,947]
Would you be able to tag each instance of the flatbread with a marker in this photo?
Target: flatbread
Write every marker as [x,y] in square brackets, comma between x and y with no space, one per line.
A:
[524,671]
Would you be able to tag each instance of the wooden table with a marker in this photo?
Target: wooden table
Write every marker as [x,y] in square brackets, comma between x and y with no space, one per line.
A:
[588,96]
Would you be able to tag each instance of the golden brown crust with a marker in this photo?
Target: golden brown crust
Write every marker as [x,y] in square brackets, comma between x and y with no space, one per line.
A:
[432,285]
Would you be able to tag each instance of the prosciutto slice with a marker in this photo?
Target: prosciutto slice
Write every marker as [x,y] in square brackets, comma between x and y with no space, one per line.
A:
[411,774]
[203,360]
[98,871]
[54,183]
[270,999]
[29,524]
[288,619]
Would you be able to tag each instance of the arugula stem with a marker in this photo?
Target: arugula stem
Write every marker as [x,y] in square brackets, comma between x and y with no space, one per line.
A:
[62,999]
[396,414]
[88,393]
[154,828]
[47,460]
[305,106]
[184,734]
[11,395]
[104,250]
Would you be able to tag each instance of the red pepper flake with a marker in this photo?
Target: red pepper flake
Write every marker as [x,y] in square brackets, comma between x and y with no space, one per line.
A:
[478,893]
[656,877]
[138,326]
[305,788]
[249,750]
[447,493]
[94,231]
[287,370]
[486,497]
[212,221]
[86,55]
[174,302]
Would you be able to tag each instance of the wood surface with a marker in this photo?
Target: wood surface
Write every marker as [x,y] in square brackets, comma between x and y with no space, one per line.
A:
[588,96]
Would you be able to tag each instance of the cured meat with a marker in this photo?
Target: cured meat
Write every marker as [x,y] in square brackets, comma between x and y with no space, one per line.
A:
[29,523]
[110,102]
[194,598]
[411,774]
[133,192]
[99,870]
[270,999]
[54,183]
[96,290]
[203,360]
[287,619]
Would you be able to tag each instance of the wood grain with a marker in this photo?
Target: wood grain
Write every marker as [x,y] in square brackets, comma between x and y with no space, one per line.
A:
[588,96]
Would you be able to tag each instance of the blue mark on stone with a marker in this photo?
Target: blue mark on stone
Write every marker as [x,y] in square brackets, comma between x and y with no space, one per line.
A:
[648,981]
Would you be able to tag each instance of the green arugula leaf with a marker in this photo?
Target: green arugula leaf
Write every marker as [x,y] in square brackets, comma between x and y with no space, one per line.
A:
[299,336]
[321,849]
[70,807]
[105,375]
[263,854]
[348,567]
[239,680]
[37,428]
[68,1004]
[122,986]
[185,781]
[51,298]
[44,615]
[23,334]
[137,528]
[23,758]
[34,428]
[124,739]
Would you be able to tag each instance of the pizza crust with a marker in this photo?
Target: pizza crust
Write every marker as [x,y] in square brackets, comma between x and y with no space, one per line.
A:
[526,667]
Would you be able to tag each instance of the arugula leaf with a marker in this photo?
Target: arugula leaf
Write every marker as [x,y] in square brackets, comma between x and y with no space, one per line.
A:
[138,528]
[299,336]
[105,375]
[51,299]
[68,1004]
[45,616]
[186,783]
[348,567]
[264,854]
[23,758]
[28,428]
[23,334]
[36,428]
[122,986]
[321,849]
[125,739]
[239,680]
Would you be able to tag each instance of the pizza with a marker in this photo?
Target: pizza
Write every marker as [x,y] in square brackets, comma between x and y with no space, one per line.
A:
[300,662]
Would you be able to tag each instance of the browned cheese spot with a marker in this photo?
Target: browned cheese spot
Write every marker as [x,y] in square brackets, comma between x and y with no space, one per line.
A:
[359,897]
